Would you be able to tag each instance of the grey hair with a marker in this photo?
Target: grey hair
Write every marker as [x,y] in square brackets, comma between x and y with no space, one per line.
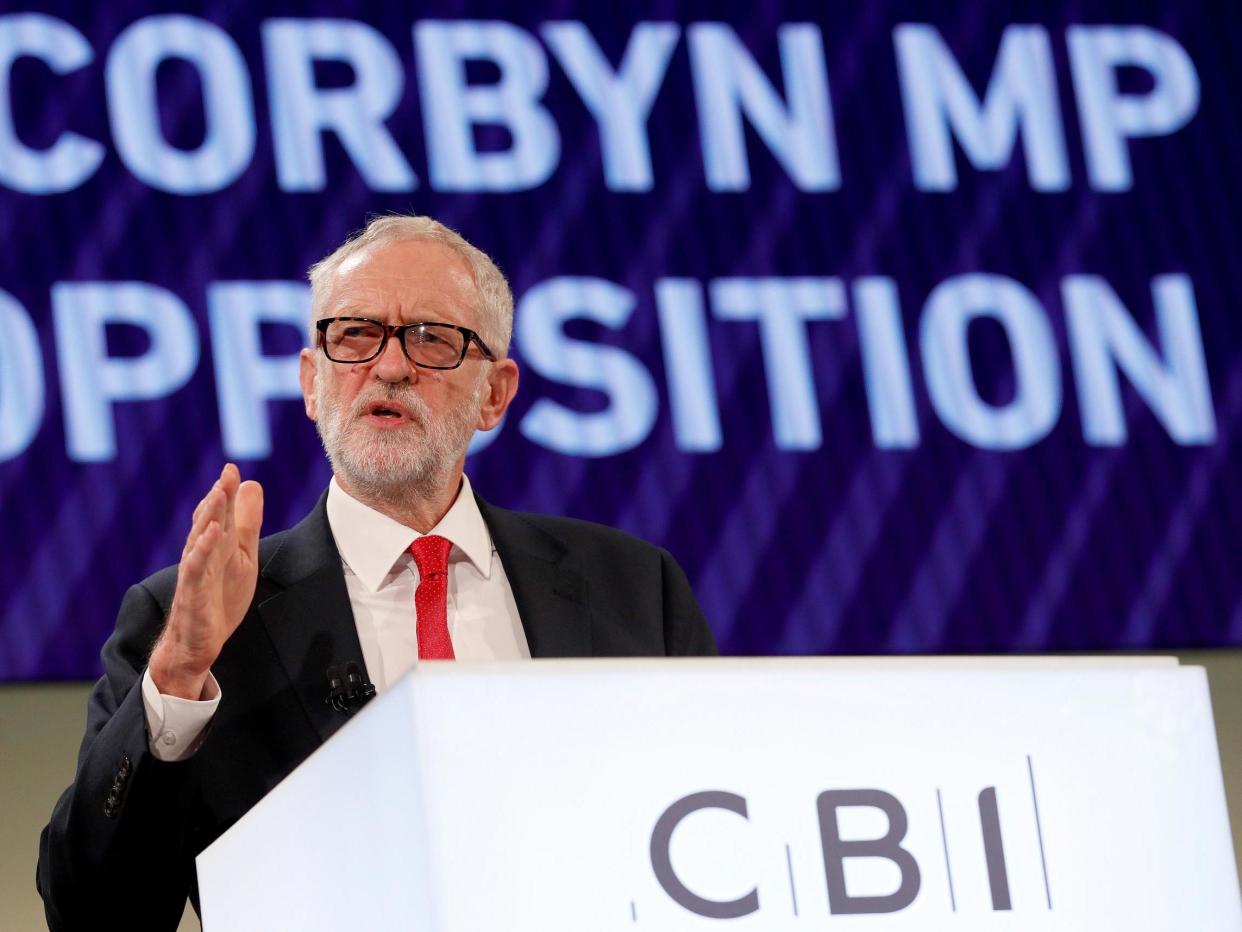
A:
[495,296]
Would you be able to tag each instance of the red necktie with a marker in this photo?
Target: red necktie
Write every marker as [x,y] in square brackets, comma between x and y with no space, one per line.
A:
[431,597]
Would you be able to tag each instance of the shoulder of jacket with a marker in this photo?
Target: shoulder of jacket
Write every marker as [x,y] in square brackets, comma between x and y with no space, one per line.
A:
[577,534]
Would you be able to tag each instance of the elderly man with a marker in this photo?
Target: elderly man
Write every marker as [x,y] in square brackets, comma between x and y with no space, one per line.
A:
[223,673]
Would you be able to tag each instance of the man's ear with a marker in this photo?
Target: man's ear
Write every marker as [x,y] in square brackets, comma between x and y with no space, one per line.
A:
[307,370]
[502,385]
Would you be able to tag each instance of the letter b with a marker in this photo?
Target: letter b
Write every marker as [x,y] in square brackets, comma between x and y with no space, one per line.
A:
[888,847]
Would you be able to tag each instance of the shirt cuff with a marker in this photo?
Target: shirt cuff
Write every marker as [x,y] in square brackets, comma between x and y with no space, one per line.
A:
[175,726]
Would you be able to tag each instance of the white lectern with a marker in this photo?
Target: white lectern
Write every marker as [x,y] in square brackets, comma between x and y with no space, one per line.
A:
[749,794]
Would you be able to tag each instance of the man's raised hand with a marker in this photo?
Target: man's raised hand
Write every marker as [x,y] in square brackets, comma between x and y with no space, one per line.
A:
[215,583]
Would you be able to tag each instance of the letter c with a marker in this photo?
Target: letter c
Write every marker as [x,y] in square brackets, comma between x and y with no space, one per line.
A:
[661,863]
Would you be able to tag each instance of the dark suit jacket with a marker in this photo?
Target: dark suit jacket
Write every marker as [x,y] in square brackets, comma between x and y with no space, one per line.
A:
[120,846]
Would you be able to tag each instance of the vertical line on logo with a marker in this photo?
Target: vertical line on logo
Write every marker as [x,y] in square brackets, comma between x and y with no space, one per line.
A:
[1039,831]
[633,912]
[793,893]
[994,849]
[944,838]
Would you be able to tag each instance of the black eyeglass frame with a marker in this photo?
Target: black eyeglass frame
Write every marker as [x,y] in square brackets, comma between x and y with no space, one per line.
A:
[399,331]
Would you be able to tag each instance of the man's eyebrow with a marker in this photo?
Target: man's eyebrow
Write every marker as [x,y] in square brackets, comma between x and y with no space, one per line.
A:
[424,311]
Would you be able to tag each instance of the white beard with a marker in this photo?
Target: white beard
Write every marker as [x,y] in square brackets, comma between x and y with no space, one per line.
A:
[399,466]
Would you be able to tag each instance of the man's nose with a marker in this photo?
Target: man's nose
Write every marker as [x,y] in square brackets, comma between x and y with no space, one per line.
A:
[391,364]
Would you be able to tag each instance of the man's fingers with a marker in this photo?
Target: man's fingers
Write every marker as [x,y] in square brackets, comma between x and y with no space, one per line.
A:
[197,559]
[208,506]
[208,510]
[248,514]
[230,480]
[202,504]
[226,525]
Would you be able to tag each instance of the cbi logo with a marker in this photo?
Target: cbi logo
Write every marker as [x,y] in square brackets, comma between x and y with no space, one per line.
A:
[837,850]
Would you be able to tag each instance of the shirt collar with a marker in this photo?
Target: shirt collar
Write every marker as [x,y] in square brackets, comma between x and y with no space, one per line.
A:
[371,543]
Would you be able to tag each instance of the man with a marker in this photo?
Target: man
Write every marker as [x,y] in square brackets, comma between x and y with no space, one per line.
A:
[217,679]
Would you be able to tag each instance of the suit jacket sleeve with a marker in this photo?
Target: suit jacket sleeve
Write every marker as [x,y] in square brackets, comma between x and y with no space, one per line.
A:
[686,632]
[114,854]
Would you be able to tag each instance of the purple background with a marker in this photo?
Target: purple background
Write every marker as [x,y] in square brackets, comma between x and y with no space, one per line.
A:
[848,549]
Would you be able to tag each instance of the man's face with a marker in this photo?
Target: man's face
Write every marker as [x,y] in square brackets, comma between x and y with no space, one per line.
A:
[390,428]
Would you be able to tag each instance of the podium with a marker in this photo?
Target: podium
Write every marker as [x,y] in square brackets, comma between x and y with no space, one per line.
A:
[789,794]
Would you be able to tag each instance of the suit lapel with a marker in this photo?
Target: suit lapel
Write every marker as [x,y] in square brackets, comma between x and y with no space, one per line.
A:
[552,599]
[309,619]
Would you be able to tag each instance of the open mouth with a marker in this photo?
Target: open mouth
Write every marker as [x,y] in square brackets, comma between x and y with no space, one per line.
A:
[388,411]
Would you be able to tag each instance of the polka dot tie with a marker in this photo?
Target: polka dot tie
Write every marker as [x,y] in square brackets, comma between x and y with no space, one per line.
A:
[431,597]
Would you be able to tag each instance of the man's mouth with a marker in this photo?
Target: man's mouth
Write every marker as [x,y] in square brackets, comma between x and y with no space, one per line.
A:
[388,412]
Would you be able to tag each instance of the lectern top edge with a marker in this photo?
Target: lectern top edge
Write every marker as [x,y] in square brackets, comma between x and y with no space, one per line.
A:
[789,664]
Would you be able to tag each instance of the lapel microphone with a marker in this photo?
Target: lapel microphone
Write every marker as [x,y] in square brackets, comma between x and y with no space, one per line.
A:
[348,688]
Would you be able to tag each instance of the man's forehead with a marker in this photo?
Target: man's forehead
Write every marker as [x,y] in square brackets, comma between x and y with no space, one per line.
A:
[404,268]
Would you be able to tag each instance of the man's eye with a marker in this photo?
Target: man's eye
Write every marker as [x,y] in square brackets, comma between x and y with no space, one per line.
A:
[429,338]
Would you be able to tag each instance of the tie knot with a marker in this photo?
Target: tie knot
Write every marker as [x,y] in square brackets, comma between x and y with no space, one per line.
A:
[431,554]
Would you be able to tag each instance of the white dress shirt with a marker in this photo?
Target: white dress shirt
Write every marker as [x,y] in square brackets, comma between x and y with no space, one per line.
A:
[381,577]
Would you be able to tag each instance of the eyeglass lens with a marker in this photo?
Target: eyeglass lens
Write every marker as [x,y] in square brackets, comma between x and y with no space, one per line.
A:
[427,344]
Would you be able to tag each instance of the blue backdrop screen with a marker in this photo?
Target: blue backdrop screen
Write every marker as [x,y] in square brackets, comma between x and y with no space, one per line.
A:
[904,333]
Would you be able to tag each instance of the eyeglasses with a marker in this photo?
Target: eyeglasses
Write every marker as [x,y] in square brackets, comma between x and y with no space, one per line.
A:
[426,344]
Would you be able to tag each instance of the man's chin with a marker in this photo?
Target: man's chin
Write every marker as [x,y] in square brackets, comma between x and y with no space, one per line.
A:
[384,466]
[387,478]
[389,461]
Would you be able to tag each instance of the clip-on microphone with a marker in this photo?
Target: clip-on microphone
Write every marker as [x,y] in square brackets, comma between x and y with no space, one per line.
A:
[348,689]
